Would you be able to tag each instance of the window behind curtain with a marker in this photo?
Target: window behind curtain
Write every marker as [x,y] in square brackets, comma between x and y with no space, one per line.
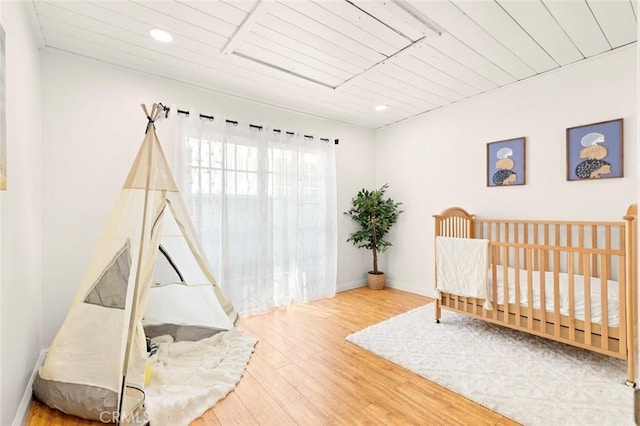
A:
[265,211]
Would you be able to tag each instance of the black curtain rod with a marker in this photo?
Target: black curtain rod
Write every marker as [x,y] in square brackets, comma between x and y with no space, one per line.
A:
[207,117]
[166,110]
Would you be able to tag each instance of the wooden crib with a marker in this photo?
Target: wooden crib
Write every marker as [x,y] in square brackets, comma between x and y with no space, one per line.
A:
[566,269]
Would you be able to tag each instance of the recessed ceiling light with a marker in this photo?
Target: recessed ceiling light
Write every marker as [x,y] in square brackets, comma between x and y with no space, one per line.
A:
[161,35]
[381,107]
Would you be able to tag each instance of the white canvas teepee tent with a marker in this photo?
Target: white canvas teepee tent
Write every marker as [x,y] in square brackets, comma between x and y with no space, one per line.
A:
[148,271]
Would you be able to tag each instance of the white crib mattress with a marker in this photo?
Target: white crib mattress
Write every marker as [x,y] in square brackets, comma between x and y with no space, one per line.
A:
[579,284]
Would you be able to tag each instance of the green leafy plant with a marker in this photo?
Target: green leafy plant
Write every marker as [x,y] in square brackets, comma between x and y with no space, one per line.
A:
[375,215]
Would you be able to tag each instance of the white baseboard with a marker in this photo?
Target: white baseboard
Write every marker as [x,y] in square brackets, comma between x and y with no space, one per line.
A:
[350,285]
[23,409]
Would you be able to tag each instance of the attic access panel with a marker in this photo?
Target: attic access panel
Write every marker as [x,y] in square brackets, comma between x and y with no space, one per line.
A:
[327,43]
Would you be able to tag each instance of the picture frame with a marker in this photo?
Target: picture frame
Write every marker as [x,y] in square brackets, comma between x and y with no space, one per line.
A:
[596,151]
[506,162]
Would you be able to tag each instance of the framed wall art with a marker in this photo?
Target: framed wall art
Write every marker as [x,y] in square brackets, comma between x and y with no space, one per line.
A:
[506,162]
[595,151]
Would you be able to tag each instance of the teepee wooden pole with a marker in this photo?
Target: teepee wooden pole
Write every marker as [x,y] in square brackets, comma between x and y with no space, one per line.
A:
[134,302]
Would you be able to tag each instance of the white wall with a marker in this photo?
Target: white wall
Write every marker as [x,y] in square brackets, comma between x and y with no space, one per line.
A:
[92,128]
[438,160]
[21,211]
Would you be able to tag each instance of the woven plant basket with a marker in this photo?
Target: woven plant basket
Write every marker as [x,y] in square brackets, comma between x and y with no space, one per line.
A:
[376,281]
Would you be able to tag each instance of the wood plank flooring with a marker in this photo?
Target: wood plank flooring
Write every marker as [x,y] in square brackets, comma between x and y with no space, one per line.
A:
[303,372]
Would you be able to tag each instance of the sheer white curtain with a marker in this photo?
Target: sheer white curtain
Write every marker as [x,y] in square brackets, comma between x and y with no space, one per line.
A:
[264,204]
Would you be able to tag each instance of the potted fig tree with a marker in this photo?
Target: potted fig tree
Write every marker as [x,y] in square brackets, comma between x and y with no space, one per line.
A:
[375,215]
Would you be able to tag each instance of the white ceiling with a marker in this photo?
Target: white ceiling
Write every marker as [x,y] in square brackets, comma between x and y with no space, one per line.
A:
[340,58]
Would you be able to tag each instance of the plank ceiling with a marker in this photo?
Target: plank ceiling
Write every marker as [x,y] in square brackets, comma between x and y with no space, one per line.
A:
[340,58]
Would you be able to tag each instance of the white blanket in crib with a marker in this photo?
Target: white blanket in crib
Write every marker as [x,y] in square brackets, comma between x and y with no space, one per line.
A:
[461,266]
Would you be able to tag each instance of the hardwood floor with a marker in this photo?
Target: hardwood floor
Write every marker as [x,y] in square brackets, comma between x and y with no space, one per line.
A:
[303,372]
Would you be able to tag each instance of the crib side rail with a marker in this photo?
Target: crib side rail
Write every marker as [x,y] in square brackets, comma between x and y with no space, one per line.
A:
[565,263]
[562,284]
[579,237]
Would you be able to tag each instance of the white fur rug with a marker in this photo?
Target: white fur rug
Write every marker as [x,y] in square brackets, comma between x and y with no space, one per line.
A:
[531,380]
[188,378]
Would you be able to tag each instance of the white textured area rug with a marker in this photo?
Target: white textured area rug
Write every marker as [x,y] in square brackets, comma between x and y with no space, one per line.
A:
[529,379]
[188,378]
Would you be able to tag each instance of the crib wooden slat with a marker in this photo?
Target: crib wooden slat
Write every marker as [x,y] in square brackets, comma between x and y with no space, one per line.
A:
[494,282]
[572,298]
[498,259]
[546,243]
[505,284]
[525,241]
[535,242]
[607,245]
[529,289]
[543,295]
[604,302]
[587,298]
[594,258]
[580,245]
[516,267]
[482,228]
[556,291]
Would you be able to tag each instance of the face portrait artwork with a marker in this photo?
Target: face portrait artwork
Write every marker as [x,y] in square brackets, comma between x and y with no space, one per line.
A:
[505,162]
[595,151]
